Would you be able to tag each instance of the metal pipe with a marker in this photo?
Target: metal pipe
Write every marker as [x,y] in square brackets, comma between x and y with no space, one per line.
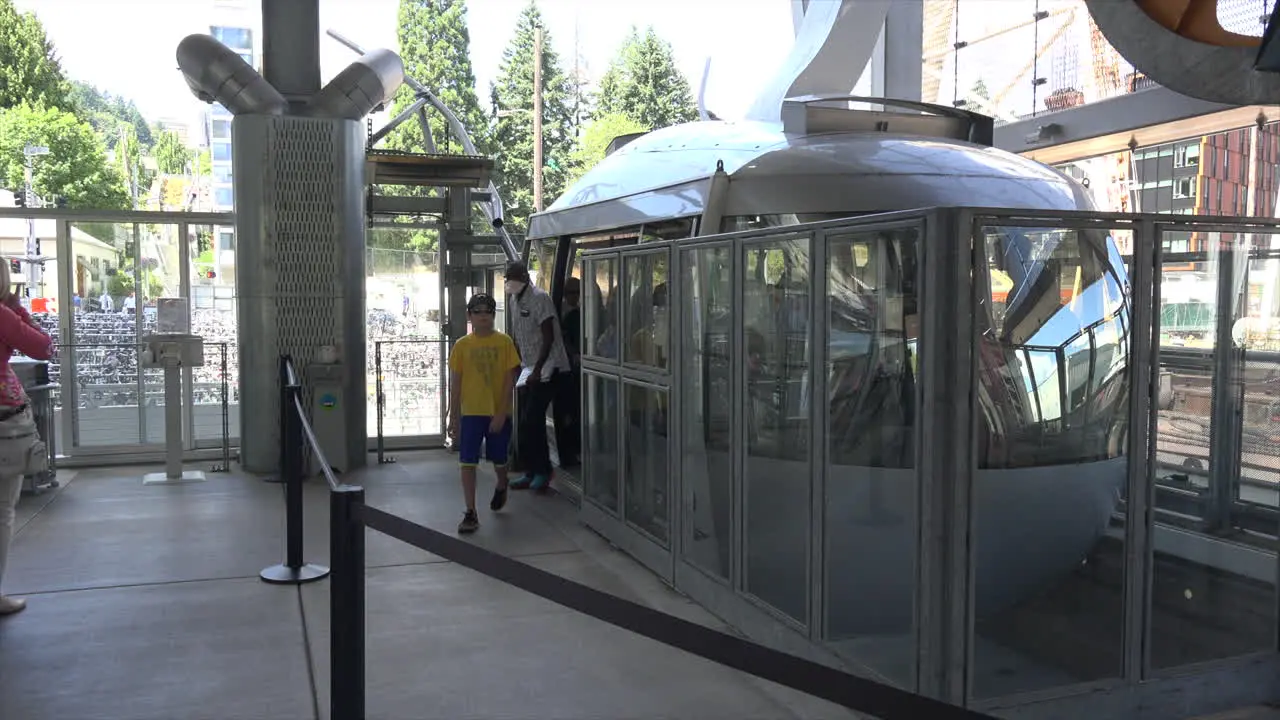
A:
[492,209]
[364,85]
[215,73]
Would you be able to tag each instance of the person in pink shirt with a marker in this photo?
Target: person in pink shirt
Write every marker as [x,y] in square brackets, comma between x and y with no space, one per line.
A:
[18,333]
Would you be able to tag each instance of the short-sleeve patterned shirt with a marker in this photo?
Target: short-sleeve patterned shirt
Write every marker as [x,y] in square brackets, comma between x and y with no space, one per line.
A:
[531,308]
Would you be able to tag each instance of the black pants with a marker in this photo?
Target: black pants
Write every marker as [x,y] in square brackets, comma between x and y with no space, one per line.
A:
[567,411]
[535,456]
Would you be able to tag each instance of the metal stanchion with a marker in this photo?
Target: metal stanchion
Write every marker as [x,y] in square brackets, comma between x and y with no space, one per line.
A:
[381,401]
[295,570]
[284,421]
[346,605]
[226,420]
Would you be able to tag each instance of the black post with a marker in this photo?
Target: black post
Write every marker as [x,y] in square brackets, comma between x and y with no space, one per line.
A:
[294,459]
[295,570]
[283,419]
[346,605]
[383,459]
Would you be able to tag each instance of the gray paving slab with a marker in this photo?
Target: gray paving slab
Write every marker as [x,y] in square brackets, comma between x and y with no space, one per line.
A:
[217,649]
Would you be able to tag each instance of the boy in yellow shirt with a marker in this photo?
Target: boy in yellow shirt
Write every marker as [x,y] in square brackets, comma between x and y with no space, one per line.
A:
[483,368]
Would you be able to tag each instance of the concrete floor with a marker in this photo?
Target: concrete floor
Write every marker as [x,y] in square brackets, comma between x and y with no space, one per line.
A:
[145,603]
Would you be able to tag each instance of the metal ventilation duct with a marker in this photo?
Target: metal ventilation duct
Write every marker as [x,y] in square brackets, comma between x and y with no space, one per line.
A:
[215,73]
[364,85]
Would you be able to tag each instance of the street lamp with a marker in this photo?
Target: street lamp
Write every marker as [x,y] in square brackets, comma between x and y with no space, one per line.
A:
[33,243]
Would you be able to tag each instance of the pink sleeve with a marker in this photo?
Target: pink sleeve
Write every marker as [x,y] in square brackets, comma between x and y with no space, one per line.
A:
[23,336]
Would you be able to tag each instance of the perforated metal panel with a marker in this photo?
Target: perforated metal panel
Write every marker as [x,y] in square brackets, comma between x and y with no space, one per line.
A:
[299,208]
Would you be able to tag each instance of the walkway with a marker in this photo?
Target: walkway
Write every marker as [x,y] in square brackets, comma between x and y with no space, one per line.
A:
[145,603]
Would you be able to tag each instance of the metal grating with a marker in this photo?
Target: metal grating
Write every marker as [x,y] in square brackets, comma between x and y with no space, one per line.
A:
[303,238]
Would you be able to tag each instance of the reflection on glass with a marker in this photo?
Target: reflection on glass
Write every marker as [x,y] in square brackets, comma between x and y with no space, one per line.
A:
[647,327]
[997,64]
[600,308]
[646,479]
[542,262]
[402,310]
[706,376]
[871,497]
[160,276]
[1214,573]
[600,436]
[667,230]
[1053,356]
[775,372]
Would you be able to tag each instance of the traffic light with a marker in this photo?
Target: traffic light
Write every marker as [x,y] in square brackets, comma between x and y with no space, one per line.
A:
[20,198]
[15,267]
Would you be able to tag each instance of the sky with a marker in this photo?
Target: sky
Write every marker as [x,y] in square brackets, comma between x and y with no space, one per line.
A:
[127,47]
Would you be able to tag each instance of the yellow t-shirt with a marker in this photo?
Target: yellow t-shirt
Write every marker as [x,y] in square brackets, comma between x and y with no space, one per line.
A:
[483,363]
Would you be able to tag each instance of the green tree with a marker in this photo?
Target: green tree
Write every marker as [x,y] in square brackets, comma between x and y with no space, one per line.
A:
[171,155]
[76,167]
[435,46]
[595,139]
[30,71]
[512,96]
[644,84]
[107,112]
[436,49]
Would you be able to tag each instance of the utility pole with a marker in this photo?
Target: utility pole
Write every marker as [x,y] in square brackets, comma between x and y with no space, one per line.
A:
[537,119]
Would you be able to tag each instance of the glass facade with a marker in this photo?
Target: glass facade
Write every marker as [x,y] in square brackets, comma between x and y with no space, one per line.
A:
[1014,59]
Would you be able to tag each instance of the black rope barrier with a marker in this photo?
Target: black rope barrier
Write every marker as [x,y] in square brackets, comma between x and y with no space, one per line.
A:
[349,516]
[294,434]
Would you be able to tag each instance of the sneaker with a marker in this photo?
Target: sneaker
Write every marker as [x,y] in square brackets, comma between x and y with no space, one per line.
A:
[521,483]
[10,606]
[540,483]
[499,500]
[470,523]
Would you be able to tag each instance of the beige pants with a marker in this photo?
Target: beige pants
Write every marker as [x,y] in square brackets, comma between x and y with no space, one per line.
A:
[10,489]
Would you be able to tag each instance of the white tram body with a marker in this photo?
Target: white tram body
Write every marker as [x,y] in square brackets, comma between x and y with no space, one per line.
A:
[1047,481]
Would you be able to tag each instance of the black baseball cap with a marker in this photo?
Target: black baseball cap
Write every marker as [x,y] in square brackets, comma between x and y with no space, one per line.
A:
[516,270]
[482,301]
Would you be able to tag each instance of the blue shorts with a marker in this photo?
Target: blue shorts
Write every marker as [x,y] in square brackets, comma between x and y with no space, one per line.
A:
[474,431]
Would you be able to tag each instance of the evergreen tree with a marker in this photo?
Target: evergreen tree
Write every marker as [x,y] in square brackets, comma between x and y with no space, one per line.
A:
[29,68]
[644,84]
[436,49]
[512,96]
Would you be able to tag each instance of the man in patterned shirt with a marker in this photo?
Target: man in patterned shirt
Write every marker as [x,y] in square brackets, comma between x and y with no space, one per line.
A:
[535,325]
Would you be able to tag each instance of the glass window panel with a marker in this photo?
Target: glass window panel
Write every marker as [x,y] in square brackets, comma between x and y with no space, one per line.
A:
[222,151]
[870,507]
[104,337]
[706,377]
[1052,449]
[600,308]
[213,317]
[601,456]
[776,376]
[402,309]
[1213,590]
[646,478]
[542,262]
[668,230]
[647,328]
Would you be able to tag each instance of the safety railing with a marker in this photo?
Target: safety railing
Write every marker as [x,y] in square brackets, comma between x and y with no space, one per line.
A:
[350,515]
[102,390]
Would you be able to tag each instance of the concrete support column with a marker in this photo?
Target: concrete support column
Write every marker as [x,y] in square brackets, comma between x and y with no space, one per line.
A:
[299,196]
[291,47]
